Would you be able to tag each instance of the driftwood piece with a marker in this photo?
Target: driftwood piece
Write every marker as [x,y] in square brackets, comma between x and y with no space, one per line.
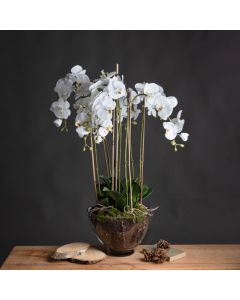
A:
[91,256]
[70,250]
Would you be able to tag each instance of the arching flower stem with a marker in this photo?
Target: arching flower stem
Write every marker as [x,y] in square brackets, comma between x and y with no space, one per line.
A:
[93,167]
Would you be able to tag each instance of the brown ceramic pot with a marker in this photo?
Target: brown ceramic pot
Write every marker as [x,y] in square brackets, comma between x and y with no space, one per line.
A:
[119,235]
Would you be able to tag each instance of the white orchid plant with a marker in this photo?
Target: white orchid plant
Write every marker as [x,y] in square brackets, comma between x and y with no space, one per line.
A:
[105,112]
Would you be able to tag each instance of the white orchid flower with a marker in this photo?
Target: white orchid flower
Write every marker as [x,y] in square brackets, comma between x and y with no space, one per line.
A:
[123,101]
[98,139]
[102,115]
[61,109]
[164,105]
[124,110]
[94,86]
[116,88]
[150,105]
[82,84]
[135,112]
[102,107]
[172,101]
[103,100]
[76,70]
[184,136]
[107,124]
[83,104]
[151,111]
[151,89]
[133,97]
[80,80]
[102,81]
[64,88]
[178,122]
[108,103]
[171,130]
[102,131]
[94,94]
[82,117]
[81,131]
[57,122]
[140,87]
[124,107]
[173,127]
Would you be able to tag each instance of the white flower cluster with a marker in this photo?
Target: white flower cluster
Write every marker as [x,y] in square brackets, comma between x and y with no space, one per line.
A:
[95,102]
[158,104]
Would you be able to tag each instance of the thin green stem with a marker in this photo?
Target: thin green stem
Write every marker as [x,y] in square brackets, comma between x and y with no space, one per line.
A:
[120,151]
[125,163]
[96,162]
[132,163]
[93,168]
[113,150]
[140,156]
[138,95]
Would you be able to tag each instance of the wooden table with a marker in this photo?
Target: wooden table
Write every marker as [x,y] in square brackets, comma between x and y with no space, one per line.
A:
[202,257]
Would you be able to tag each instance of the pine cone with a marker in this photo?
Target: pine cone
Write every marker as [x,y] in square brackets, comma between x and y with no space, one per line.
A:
[156,255]
[162,244]
[148,255]
[160,255]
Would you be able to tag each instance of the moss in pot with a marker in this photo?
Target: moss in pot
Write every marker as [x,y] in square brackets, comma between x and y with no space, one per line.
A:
[119,228]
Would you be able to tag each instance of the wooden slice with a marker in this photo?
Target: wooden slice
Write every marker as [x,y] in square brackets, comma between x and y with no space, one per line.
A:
[70,250]
[91,256]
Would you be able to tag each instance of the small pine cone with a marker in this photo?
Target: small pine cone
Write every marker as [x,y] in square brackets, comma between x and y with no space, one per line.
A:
[148,255]
[158,260]
[162,244]
[160,255]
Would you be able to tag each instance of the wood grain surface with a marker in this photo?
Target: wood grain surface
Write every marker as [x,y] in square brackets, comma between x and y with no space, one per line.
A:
[201,257]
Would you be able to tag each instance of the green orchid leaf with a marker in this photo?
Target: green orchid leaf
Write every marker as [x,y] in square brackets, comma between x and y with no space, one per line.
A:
[100,191]
[118,199]
[106,180]
[125,186]
[136,190]
[146,191]
[104,201]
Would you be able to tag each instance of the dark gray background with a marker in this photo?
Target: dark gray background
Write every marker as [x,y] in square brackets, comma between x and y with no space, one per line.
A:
[46,178]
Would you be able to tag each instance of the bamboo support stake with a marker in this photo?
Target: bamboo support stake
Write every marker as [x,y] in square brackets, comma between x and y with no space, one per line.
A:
[96,162]
[117,143]
[106,157]
[129,153]
[142,148]
[117,69]
[113,140]
[93,168]
[113,150]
